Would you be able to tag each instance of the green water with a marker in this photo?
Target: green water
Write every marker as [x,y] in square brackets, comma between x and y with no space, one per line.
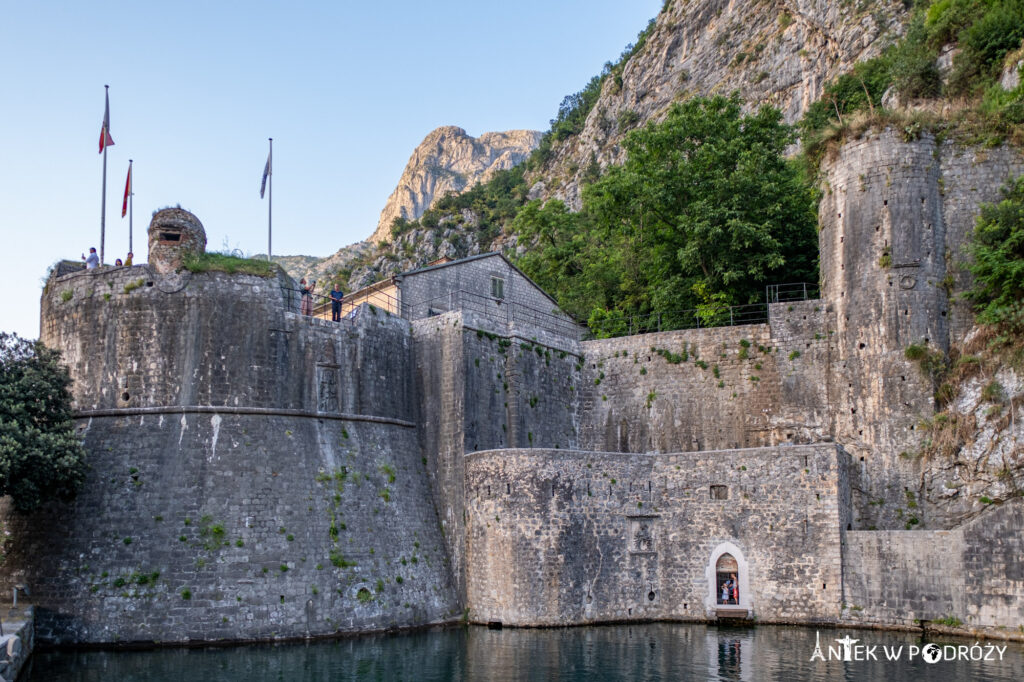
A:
[622,652]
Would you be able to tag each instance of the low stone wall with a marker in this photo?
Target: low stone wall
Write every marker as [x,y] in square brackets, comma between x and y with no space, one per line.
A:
[973,574]
[559,537]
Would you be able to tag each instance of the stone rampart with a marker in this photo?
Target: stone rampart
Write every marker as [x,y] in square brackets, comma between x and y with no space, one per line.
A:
[262,479]
[556,537]
[894,217]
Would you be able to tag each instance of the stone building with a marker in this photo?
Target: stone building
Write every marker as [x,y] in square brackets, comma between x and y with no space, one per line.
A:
[258,474]
[488,284]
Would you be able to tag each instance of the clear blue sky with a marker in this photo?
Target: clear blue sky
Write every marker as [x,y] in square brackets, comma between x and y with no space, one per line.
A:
[346,89]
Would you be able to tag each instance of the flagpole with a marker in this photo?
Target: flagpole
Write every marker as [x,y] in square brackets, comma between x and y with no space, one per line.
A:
[131,202]
[270,198]
[103,205]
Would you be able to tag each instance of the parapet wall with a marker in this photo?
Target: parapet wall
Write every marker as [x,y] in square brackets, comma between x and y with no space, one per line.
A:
[556,537]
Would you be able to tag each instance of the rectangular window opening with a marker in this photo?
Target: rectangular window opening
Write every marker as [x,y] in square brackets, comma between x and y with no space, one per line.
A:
[719,492]
[497,288]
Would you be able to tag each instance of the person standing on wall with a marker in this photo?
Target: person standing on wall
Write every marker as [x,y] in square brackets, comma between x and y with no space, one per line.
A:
[307,296]
[336,298]
[93,261]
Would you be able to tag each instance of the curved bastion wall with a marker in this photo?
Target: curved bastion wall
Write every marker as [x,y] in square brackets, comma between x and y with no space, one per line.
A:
[252,473]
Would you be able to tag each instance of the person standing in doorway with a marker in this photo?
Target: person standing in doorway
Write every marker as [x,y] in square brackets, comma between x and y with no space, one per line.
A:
[735,589]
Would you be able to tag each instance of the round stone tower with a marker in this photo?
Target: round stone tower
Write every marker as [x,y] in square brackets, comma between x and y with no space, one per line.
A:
[174,232]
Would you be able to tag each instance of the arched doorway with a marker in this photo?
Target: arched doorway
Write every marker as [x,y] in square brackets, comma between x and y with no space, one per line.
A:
[727,563]
[727,585]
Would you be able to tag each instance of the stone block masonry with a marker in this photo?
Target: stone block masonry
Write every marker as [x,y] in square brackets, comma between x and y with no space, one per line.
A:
[557,537]
[709,389]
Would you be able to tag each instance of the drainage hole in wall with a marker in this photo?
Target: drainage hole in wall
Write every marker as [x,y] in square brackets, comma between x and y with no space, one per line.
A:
[125,396]
[650,596]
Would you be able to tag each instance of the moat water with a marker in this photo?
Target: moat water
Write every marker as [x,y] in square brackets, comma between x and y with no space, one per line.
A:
[622,652]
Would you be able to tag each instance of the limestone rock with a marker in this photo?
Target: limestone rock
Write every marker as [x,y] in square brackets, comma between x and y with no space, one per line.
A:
[776,52]
[450,160]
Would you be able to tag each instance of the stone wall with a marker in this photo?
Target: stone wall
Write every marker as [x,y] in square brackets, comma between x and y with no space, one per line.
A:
[483,388]
[556,537]
[973,573]
[894,218]
[708,389]
[263,478]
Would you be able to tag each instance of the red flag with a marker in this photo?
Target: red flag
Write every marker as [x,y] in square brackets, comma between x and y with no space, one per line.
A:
[127,190]
[105,138]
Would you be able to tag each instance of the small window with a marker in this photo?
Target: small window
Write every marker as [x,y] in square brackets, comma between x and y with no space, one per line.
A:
[719,492]
[497,288]
[170,236]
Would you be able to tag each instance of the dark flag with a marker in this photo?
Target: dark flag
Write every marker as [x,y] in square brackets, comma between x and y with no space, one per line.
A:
[266,174]
[105,139]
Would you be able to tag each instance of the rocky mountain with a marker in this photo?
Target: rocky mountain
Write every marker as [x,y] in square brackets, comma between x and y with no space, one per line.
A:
[776,52]
[450,160]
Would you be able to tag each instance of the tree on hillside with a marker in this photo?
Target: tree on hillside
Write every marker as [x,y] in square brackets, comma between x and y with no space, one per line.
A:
[41,458]
[705,211]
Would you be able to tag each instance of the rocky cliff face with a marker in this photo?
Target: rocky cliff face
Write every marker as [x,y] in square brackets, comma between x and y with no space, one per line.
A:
[449,160]
[775,52]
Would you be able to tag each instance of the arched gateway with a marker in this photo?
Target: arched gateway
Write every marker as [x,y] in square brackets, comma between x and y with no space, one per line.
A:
[728,580]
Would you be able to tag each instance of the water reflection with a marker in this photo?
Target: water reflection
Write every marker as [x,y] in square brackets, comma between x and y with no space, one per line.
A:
[623,652]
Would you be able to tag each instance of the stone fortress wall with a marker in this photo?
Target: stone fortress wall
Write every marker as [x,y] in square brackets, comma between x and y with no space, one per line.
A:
[253,473]
[298,477]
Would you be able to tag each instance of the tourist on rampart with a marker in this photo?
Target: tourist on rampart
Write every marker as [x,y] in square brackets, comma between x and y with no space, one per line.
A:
[307,296]
[118,263]
[93,261]
[128,260]
[336,298]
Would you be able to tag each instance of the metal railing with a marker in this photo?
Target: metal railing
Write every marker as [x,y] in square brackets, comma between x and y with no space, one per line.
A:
[695,318]
[498,310]
[796,291]
[700,318]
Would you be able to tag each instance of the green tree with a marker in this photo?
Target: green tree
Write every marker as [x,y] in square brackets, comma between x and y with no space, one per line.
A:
[41,458]
[997,260]
[705,211]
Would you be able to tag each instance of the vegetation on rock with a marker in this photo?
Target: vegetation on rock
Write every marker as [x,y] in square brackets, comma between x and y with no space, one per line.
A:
[997,261]
[41,457]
